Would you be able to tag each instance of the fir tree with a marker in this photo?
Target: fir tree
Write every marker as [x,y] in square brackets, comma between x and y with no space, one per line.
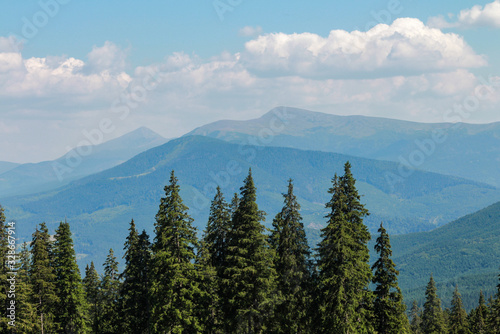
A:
[26,316]
[249,276]
[4,249]
[415,319]
[110,287]
[344,271]
[174,282]
[433,320]
[458,316]
[71,307]
[92,288]
[134,292]
[494,315]
[479,316]
[43,278]
[292,263]
[389,309]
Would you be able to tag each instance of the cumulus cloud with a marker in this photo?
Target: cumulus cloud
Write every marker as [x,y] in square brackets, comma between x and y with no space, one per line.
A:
[477,16]
[407,46]
[250,31]
[108,57]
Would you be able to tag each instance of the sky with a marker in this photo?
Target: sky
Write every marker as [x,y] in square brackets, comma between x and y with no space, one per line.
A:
[79,72]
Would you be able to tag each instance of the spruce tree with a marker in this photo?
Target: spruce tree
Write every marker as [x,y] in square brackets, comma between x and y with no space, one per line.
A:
[344,271]
[4,253]
[71,313]
[43,280]
[494,315]
[92,288]
[110,287]
[458,315]
[292,262]
[249,276]
[134,292]
[389,309]
[26,316]
[415,318]
[433,320]
[479,316]
[174,282]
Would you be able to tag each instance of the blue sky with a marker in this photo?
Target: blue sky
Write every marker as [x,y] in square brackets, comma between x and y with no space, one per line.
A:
[66,65]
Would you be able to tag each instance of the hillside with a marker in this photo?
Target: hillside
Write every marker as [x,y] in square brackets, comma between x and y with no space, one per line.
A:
[36,177]
[100,206]
[464,252]
[5,166]
[470,151]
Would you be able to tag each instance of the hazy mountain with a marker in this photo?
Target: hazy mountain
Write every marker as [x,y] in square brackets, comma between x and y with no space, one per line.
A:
[464,252]
[35,177]
[466,150]
[5,166]
[100,206]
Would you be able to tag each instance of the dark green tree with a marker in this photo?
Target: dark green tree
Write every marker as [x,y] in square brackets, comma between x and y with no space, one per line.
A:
[43,280]
[478,316]
[174,281]
[110,288]
[26,316]
[92,288]
[70,310]
[344,270]
[458,316]
[292,263]
[416,318]
[389,309]
[4,253]
[494,315]
[433,320]
[134,293]
[249,278]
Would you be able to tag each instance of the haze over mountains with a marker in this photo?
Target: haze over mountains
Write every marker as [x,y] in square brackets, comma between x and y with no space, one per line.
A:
[466,150]
[16,179]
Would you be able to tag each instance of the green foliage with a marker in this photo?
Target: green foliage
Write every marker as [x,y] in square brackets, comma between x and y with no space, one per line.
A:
[478,316]
[3,270]
[389,309]
[416,318]
[174,283]
[292,262]
[433,321]
[249,278]
[92,288]
[26,316]
[134,302]
[458,316]
[70,313]
[344,272]
[110,287]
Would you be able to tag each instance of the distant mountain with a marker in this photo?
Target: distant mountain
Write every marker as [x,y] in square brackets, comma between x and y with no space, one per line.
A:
[100,206]
[36,177]
[471,151]
[464,252]
[5,166]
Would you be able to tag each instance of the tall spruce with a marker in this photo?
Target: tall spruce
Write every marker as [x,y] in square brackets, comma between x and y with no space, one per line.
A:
[134,293]
[344,270]
[479,316]
[433,320]
[389,309]
[292,262]
[249,278]
[174,281]
[26,316]
[494,314]
[458,315]
[110,288]
[71,313]
[416,318]
[92,288]
[4,253]
[43,280]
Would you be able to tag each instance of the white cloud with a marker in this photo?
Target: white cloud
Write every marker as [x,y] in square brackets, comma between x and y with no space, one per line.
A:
[477,16]
[250,31]
[108,57]
[405,47]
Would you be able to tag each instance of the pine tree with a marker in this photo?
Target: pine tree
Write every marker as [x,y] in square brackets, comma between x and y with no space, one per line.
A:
[215,236]
[292,262]
[433,320]
[43,278]
[71,307]
[92,288]
[110,287]
[248,282]
[458,315]
[4,253]
[389,309]
[174,282]
[26,316]
[134,292]
[415,319]
[494,315]
[344,271]
[479,316]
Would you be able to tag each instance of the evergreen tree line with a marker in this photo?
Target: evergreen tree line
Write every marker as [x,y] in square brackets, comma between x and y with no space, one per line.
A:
[239,278]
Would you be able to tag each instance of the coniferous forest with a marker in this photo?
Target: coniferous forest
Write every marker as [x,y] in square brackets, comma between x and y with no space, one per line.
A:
[236,276]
